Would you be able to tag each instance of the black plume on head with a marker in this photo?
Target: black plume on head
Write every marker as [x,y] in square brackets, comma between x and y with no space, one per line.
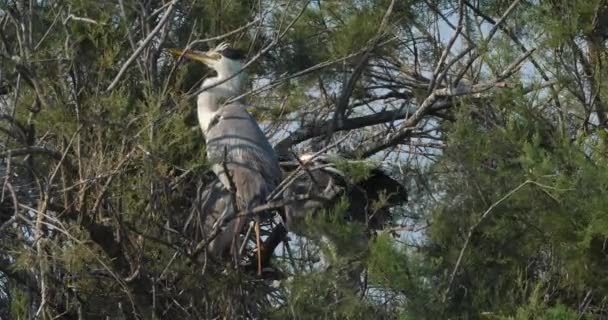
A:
[234,54]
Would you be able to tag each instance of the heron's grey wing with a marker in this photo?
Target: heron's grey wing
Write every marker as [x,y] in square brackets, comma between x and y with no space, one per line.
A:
[215,211]
[317,184]
[215,204]
[237,143]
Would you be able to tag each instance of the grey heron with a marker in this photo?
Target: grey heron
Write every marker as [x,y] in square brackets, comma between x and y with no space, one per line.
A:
[234,141]
[369,198]
[319,185]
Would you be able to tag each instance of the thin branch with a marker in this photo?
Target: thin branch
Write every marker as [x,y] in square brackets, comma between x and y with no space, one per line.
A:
[272,205]
[491,34]
[437,76]
[225,35]
[262,52]
[143,45]
[308,132]
[413,121]
[472,229]
[123,13]
[349,86]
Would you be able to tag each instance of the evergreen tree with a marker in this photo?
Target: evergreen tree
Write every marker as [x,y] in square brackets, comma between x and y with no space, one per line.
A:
[463,171]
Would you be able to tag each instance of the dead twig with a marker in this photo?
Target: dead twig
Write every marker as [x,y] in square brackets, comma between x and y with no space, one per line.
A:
[143,45]
[262,52]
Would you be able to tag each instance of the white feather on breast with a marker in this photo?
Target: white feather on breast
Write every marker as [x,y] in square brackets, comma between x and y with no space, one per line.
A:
[204,112]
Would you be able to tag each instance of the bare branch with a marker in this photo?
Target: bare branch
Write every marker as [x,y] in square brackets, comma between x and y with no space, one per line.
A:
[143,45]
[262,52]
[349,86]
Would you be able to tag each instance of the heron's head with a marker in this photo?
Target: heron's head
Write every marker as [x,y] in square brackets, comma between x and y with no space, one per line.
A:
[225,60]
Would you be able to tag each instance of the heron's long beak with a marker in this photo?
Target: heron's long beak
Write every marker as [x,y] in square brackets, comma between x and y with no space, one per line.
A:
[208,57]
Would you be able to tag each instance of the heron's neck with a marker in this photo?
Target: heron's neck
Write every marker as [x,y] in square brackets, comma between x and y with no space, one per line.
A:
[212,99]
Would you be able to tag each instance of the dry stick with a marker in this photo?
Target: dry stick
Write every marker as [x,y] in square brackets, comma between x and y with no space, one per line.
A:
[39,223]
[80,19]
[436,79]
[349,85]
[203,243]
[7,175]
[123,13]
[472,229]
[143,45]
[262,52]
[225,35]
[500,21]
[412,122]
[60,227]
[247,234]
[48,31]
[158,10]
[162,274]
[582,308]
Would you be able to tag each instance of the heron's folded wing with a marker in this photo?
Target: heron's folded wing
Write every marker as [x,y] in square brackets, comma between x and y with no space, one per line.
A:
[236,142]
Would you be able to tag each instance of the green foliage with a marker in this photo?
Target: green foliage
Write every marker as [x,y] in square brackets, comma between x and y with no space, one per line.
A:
[536,308]
[19,304]
[575,18]
[560,217]
[388,265]
[345,238]
[323,295]
[357,30]
[355,170]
